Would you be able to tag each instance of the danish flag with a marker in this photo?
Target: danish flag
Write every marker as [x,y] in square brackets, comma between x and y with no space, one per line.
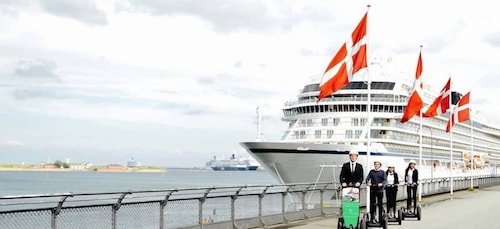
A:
[415,103]
[349,59]
[441,104]
[461,113]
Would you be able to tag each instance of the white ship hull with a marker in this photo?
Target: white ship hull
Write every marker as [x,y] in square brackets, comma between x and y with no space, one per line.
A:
[307,163]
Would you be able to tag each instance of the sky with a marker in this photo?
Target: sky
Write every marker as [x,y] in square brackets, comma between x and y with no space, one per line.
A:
[174,83]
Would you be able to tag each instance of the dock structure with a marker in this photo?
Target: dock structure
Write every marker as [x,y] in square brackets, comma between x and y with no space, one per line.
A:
[476,208]
[311,205]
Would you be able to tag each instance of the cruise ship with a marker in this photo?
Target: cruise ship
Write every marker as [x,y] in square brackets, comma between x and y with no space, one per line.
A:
[233,164]
[320,135]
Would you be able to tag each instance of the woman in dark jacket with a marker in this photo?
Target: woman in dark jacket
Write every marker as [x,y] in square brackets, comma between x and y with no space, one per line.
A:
[411,178]
[391,189]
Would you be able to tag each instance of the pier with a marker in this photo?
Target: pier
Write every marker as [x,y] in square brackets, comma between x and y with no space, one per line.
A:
[477,208]
[312,205]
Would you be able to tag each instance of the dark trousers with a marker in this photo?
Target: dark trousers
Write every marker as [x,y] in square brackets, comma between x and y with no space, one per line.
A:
[411,195]
[376,197]
[390,196]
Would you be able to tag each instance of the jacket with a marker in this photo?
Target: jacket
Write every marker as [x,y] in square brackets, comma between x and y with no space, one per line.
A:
[348,177]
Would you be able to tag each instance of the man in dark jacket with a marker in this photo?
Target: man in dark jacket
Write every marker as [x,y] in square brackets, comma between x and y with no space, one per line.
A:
[352,172]
[376,180]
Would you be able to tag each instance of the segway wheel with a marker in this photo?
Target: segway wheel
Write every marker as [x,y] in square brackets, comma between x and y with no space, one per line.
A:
[419,213]
[400,216]
[340,223]
[366,219]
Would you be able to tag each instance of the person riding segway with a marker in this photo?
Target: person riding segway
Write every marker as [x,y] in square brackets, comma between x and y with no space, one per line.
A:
[376,180]
[391,190]
[352,172]
[411,178]
[351,177]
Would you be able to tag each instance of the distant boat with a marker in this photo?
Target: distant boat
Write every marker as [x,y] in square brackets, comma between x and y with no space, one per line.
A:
[233,164]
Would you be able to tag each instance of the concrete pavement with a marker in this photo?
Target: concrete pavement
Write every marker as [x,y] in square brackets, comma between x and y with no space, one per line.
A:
[466,207]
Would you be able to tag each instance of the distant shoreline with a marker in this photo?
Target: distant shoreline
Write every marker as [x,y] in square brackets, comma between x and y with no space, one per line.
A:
[91,170]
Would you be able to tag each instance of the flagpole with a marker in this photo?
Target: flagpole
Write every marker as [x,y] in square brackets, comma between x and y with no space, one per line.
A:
[368,108]
[420,157]
[420,147]
[471,151]
[451,143]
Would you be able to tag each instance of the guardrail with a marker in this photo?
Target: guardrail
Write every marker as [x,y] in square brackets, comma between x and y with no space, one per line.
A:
[249,206]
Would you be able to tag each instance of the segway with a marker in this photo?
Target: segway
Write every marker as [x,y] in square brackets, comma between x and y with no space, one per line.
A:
[349,209]
[394,216]
[380,223]
[413,212]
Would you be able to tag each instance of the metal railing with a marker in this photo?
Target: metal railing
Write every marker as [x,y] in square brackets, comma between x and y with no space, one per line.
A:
[250,206]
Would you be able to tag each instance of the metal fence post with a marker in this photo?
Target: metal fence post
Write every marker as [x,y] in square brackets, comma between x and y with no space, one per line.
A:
[233,199]
[163,203]
[116,207]
[304,204]
[56,211]
[200,206]
[261,197]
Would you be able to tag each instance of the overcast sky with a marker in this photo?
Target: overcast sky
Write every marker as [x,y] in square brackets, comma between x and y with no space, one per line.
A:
[174,83]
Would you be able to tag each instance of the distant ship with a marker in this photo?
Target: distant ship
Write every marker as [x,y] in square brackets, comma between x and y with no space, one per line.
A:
[233,164]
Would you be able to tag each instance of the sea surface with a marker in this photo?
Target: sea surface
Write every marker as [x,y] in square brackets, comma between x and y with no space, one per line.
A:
[49,182]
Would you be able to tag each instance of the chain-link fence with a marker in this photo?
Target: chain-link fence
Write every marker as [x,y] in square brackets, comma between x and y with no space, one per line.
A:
[214,207]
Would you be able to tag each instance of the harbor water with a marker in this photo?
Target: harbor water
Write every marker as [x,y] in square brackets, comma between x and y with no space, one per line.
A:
[49,182]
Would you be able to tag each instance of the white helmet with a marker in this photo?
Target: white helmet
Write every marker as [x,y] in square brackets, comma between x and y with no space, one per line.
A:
[412,161]
[377,161]
[353,152]
[391,165]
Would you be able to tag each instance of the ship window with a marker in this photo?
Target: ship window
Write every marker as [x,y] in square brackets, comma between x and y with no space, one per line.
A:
[354,122]
[357,133]
[363,121]
[329,133]
[324,122]
[303,122]
[309,122]
[348,133]
[302,134]
[311,88]
[336,121]
[317,133]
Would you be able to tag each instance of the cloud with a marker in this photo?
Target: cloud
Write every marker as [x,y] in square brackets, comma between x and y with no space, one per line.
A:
[81,10]
[232,16]
[493,39]
[12,143]
[41,69]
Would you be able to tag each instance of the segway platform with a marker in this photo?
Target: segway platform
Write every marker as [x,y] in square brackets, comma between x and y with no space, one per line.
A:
[411,213]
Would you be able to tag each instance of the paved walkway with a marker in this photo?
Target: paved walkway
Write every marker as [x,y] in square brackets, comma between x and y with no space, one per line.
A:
[431,210]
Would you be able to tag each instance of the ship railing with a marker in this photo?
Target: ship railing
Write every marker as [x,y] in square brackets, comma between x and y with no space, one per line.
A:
[395,99]
[246,206]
